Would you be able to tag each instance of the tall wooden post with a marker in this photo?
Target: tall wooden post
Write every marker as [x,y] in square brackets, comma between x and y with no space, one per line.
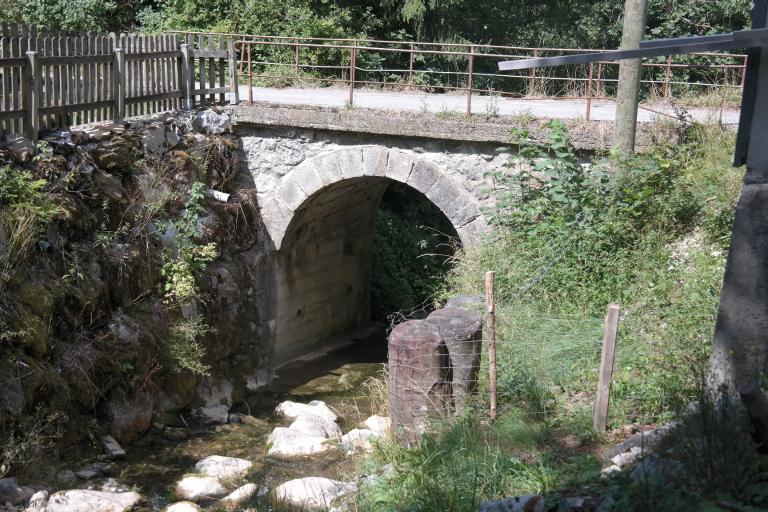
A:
[188,66]
[234,87]
[490,303]
[352,68]
[34,92]
[610,329]
[470,79]
[118,83]
[628,94]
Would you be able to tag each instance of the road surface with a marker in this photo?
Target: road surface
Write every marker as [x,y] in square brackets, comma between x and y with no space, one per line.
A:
[481,104]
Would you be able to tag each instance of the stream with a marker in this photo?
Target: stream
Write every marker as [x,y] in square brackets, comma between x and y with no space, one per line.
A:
[336,378]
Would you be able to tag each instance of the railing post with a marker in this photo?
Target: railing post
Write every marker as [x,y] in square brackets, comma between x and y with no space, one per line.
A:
[34,92]
[234,86]
[118,83]
[410,66]
[589,91]
[599,80]
[667,76]
[250,76]
[188,77]
[470,81]
[352,66]
[532,86]
[296,59]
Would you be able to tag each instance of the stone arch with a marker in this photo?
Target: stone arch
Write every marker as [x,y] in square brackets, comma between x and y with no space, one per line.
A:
[326,170]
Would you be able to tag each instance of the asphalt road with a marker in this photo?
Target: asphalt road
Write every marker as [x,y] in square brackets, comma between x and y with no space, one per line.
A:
[481,104]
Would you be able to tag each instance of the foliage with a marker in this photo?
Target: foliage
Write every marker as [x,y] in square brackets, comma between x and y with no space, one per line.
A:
[453,469]
[184,348]
[413,245]
[69,15]
[20,451]
[180,286]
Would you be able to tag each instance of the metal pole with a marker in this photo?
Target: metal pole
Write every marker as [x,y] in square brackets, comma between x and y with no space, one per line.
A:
[352,65]
[589,91]
[599,79]
[250,76]
[296,59]
[532,86]
[490,303]
[410,66]
[234,86]
[724,95]
[470,81]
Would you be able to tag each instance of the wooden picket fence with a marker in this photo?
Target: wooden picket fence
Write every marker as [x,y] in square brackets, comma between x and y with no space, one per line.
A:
[51,81]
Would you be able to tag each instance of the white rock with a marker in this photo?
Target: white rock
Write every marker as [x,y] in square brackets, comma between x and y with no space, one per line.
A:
[528,503]
[223,468]
[183,506]
[317,426]
[37,502]
[287,442]
[359,439]
[312,493]
[241,495]
[196,488]
[610,470]
[293,410]
[379,424]
[212,122]
[77,500]
[626,458]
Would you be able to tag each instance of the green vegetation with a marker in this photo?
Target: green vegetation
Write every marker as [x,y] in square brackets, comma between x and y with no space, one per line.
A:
[413,247]
[570,239]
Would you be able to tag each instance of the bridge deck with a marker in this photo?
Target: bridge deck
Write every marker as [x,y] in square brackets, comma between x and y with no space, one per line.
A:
[602,110]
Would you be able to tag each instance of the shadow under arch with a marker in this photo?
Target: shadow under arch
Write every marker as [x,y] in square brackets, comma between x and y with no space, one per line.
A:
[324,264]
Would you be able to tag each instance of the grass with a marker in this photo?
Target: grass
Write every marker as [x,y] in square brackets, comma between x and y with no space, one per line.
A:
[662,258]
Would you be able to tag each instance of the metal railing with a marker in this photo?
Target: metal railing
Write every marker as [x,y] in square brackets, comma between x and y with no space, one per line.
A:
[471,69]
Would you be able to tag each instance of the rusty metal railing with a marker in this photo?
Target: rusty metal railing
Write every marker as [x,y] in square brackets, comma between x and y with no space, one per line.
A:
[469,68]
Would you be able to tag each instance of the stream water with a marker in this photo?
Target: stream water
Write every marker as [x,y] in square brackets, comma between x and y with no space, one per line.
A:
[336,378]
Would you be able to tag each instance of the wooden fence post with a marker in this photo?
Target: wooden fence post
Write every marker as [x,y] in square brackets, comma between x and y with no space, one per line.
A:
[600,420]
[234,87]
[34,92]
[490,303]
[188,75]
[352,68]
[118,78]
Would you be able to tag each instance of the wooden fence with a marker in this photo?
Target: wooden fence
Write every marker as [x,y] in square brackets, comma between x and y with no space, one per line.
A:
[56,81]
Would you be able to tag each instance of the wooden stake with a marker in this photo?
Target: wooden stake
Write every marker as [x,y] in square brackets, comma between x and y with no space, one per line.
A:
[491,325]
[610,329]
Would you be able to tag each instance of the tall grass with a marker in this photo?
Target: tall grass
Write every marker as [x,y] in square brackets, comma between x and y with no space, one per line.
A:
[659,251]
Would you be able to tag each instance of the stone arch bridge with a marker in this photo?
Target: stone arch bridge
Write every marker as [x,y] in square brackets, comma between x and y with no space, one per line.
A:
[319,175]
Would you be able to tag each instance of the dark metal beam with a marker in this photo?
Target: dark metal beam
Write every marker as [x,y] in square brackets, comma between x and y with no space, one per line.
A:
[742,39]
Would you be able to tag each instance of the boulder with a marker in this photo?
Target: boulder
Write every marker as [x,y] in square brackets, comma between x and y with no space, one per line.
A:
[175,434]
[223,468]
[240,495]
[131,417]
[528,503]
[115,154]
[112,447]
[216,396]
[21,149]
[37,502]
[419,385]
[317,426]
[199,488]
[212,414]
[312,493]
[462,332]
[78,500]
[378,424]
[359,439]
[183,506]
[10,492]
[293,410]
[288,442]
[211,122]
